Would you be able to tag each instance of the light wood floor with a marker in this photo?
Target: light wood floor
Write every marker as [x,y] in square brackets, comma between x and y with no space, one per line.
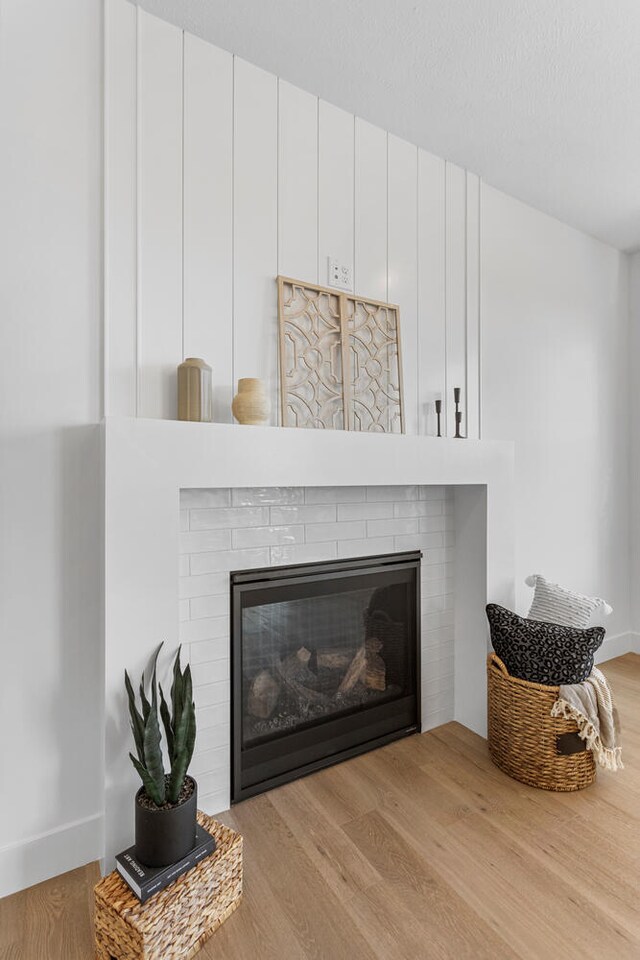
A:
[422,849]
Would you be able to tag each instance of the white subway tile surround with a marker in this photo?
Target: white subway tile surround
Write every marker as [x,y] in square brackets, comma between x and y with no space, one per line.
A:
[224,530]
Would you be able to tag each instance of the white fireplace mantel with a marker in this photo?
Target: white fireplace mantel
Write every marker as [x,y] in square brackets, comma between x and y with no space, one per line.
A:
[148,462]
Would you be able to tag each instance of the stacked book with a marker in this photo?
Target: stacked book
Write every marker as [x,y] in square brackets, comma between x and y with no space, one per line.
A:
[145,881]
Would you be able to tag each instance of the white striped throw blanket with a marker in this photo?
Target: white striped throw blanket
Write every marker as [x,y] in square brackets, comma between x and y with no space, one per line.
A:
[589,703]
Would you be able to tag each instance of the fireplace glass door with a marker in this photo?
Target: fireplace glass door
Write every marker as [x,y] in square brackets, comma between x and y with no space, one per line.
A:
[324,664]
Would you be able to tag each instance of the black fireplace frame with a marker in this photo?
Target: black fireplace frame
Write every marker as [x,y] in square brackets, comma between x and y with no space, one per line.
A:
[329,731]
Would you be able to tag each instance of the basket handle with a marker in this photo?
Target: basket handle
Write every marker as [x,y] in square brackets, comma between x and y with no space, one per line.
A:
[497,664]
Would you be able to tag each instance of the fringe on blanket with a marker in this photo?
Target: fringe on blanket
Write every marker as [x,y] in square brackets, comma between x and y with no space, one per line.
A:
[608,757]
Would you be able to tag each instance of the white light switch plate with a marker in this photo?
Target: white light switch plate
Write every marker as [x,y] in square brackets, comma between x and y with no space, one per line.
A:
[340,275]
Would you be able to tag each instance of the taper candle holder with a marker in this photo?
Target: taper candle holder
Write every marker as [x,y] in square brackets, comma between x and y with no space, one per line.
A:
[458,417]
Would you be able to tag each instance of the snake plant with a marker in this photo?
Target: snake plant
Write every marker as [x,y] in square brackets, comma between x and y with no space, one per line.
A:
[179,725]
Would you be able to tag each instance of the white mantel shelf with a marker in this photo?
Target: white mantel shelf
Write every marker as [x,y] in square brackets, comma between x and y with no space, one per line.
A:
[148,462]
[220,454]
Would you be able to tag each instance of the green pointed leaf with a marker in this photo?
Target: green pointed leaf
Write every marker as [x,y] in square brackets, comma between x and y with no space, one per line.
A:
[181,731]
[146,706]
[191,734]
[147,781]
[176,690]
[137,722]
[166,722]
[137,739]
[153,752]
[180,738]
[129,688]
[180,754]
[187,686]
[178,773]
[154,691]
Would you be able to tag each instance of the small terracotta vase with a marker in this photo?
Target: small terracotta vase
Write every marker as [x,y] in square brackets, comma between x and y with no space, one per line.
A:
[251,403]
[194,390]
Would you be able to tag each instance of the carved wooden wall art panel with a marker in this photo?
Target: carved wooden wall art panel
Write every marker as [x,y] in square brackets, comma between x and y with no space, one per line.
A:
[311,356]
[374,366]
[340,360]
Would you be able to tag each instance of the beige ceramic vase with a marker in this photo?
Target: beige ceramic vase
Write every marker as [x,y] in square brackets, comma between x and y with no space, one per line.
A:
[194,390]
[251,403]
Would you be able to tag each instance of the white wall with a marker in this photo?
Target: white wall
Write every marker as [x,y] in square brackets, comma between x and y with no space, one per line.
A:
[50,256]
[555,378]
[220,177]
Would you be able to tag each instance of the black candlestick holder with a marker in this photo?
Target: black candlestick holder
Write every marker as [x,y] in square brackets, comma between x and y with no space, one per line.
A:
[438,413]
[456,399]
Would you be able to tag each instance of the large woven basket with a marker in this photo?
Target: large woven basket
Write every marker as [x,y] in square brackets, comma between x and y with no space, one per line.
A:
[526,742]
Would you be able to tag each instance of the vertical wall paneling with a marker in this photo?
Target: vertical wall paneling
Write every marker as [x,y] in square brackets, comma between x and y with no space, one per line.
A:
[335,187]
[402,268]
[456,254]
[297,183]
[255,192]
[473,306]
[160,214]
[431,289]
[208,214]
[370,261]
[120,209]
[219,176]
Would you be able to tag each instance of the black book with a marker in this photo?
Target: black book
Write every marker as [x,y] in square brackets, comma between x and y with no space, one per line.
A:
[145,881]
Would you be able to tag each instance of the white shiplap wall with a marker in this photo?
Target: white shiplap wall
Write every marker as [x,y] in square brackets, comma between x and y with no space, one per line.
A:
[219,176]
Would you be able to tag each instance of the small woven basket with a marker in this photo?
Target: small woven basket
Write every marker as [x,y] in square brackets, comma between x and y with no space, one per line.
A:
[524,739]
[175,922]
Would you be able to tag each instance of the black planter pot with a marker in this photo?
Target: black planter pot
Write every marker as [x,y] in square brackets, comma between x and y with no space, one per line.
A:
[165,836]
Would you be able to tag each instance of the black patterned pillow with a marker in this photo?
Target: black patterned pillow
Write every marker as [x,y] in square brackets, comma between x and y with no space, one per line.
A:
[542,652]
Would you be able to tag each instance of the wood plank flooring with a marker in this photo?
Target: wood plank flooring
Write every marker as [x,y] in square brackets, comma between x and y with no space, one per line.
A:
[422,849]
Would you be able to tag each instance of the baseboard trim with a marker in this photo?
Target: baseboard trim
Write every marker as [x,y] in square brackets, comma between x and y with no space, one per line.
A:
[432,720]
[44,856]
[617,646]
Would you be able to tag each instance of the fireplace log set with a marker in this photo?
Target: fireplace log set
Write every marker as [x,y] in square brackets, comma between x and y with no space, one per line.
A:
[295,678]
[263,695]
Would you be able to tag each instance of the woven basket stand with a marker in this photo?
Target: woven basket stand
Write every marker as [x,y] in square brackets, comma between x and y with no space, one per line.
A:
[173,924]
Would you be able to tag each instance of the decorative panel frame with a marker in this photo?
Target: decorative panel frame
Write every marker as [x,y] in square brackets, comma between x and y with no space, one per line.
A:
[324,332]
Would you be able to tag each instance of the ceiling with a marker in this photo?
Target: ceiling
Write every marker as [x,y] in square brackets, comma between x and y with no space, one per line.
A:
[539,97]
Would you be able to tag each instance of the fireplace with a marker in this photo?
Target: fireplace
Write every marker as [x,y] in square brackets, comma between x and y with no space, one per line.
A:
[167,571]
[324,665]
